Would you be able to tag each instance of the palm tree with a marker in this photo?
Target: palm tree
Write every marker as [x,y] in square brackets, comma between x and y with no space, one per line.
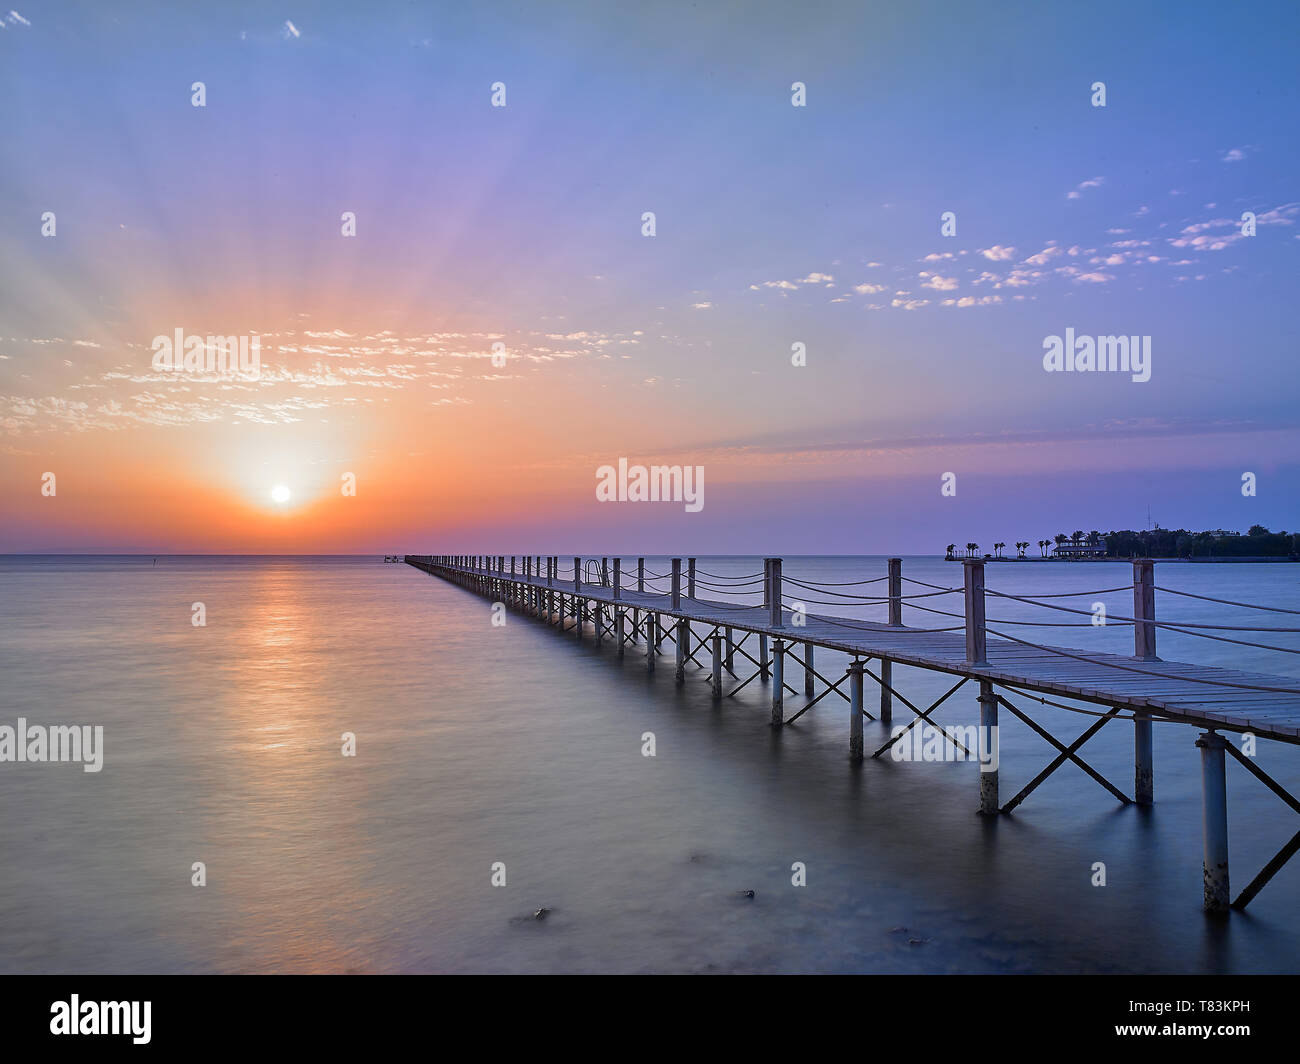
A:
[1060,538]
[1022,546]
[951,547]
[1043,544]
[1077,538]
[971,549]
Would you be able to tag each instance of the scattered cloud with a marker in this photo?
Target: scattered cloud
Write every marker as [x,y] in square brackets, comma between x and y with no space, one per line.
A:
[1082,186]
[938,283]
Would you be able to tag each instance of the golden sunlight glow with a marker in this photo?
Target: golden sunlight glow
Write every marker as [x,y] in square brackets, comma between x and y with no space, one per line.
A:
[280,493]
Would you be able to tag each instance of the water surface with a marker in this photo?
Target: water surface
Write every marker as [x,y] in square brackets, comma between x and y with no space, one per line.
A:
[520,745]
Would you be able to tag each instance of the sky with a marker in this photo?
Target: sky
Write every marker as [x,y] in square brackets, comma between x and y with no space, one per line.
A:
[522,225]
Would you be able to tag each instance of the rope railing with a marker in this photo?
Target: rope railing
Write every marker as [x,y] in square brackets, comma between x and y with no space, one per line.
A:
[865,598]
[720,576]
[938,587]
[747,588]
[845,583]
[1158,624]
[1145,672]
[1227,602]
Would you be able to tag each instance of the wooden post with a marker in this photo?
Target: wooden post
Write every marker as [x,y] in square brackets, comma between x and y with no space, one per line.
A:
[618,629]
[618,579]
[690,578]
[683,637]
[1214,822]
[988,749]
[855,711]
[651,639]
[640,586]
[677,583]
[778,683]
[1144,610]
[762,636]
[1143,769]
[598,615]
[717,665]
[975,645]
[895,591]
[886,690]
[550,571]
[1144,649]
[604,572]
[808,669]
[577,575]
[731,650]
[774,596]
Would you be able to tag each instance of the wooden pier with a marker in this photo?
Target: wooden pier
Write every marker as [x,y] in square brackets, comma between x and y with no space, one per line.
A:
[618,605]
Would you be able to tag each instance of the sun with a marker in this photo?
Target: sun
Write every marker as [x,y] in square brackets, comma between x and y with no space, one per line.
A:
[279,493]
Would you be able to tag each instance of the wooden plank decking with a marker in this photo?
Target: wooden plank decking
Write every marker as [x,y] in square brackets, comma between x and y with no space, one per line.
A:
[1170,689]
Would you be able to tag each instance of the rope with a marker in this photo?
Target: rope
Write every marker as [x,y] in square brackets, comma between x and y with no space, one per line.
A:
[846,583]
[1157,624]
[1148,672]
[1075,594]
[719,576]
[864,598]
[1239,642]
[951,590]
[728,587]
[1020,692]
[1062,624]
[832,602]
[945,613]
[904,631]
[1228,602]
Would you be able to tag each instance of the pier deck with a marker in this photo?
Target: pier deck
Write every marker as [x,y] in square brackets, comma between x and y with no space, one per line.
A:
[1263,706]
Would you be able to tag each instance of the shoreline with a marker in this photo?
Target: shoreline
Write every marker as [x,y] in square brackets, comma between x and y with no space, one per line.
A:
[1253,559]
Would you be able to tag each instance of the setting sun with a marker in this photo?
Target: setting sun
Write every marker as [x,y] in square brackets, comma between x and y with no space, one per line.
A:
[279,493]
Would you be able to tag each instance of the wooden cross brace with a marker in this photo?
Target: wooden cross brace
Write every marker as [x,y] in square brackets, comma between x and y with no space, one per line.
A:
[1066,754]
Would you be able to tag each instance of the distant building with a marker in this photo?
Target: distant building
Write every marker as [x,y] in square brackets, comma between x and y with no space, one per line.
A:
[1082,549]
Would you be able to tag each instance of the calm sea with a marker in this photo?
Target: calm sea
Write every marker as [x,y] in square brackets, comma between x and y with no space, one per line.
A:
[478,744]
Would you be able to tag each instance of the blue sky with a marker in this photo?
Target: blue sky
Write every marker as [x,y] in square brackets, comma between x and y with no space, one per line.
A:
[775,224]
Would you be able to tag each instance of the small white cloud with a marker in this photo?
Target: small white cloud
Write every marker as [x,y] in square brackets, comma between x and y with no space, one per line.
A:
[938,283]
[1078,190]
[1234,155]
[1041,259]
[998,253]
[290,30]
